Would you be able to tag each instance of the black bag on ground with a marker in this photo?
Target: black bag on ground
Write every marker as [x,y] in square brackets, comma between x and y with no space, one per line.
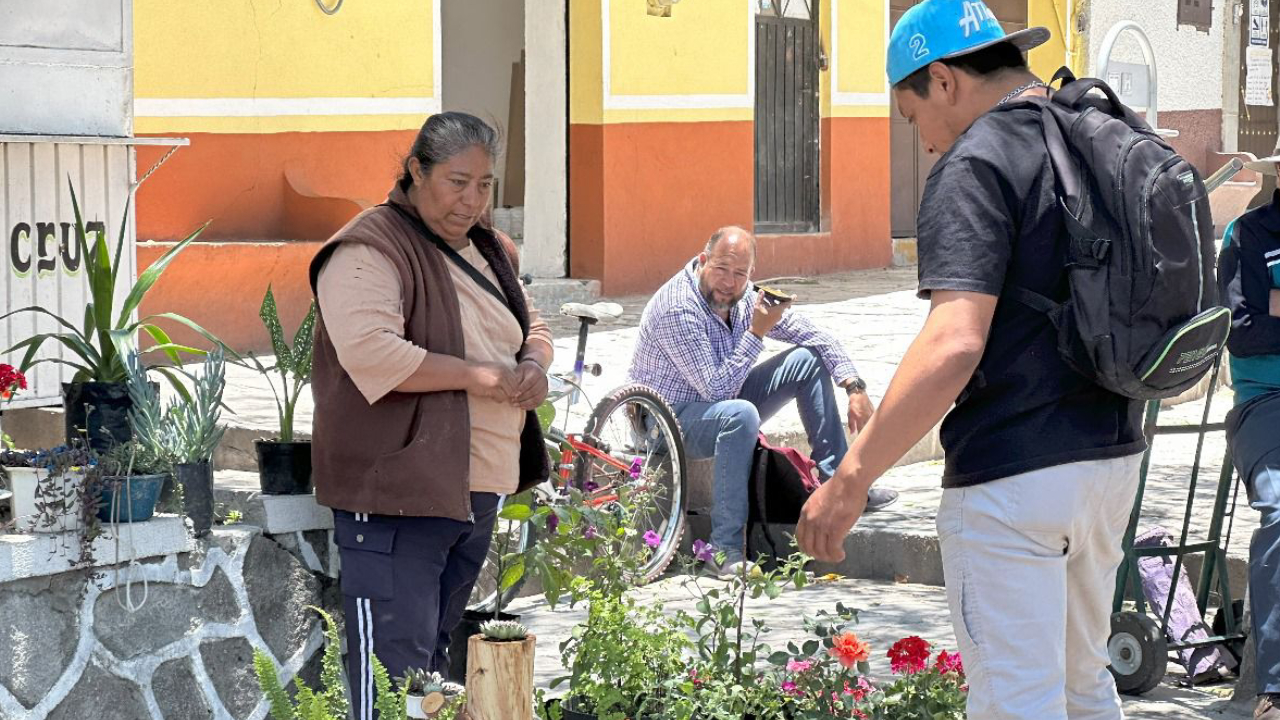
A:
[1142,318]
[782,479]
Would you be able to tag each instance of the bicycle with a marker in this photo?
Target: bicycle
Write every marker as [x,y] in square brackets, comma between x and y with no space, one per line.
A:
[631,439]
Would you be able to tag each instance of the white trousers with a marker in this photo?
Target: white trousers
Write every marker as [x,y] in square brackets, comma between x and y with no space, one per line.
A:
[1030,566]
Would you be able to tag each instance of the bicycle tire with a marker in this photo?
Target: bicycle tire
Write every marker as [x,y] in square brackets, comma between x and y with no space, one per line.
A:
[621,397]
[484,594]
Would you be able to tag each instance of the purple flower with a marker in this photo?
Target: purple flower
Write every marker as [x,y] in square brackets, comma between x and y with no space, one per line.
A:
[652,539]
[553,522]
[590,486]
[703,551]
[636,466]
[591,533]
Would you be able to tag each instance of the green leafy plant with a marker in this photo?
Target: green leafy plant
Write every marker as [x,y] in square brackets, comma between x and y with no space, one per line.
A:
[133,458]
[196,428]
[94,341]
[292,364]
[329,702]
[620,658]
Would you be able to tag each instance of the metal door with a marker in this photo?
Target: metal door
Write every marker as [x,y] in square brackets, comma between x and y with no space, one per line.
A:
[787,198]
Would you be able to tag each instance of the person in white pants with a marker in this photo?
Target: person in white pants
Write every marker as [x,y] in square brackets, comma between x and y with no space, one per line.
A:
[1041,463]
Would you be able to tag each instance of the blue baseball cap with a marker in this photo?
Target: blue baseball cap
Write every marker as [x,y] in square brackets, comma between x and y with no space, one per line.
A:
[938,29]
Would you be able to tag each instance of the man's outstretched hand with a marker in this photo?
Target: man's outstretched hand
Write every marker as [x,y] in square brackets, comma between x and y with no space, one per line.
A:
[828,515]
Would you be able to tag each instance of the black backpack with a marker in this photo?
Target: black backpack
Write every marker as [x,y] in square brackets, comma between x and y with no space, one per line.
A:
[1142,318]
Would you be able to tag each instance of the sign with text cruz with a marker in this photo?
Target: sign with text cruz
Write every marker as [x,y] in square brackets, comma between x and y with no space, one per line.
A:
[40,259]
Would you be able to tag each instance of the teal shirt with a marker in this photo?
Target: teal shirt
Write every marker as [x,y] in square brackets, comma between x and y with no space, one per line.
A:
[1257,374]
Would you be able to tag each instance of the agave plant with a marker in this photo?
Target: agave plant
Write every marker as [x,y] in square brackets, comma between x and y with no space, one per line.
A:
[293,364]
[504,630]
[94,343]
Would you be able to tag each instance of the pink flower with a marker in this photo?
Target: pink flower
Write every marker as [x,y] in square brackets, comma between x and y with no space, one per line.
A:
[652,539]
[949,663]
[636,466]
[790,688]
[798,666]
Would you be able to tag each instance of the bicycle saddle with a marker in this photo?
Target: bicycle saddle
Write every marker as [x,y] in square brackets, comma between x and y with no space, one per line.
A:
[601,312]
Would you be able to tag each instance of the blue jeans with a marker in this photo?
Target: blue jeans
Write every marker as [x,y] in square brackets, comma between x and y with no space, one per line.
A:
[727,431]
[1255,451]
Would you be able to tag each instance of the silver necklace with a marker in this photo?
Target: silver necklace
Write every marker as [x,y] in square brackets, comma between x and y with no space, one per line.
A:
[1019,90]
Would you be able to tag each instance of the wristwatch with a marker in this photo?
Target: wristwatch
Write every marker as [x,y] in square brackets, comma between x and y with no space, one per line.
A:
[855,386]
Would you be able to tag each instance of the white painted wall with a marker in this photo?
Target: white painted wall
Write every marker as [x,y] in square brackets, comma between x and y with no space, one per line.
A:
[1189,61]
[482,40]
[546,192]
[66,67]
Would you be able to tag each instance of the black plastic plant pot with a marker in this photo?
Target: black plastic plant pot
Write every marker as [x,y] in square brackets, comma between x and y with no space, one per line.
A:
[284,468]
[196,480]
[567,711]
[97,411]
[470,625]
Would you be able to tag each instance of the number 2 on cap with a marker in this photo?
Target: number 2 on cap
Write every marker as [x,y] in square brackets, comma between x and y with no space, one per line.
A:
[918,50]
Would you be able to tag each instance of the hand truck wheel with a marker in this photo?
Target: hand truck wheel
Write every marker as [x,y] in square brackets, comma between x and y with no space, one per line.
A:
[1139,652]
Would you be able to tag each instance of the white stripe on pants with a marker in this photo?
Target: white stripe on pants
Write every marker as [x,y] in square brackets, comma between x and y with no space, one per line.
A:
[1030,566]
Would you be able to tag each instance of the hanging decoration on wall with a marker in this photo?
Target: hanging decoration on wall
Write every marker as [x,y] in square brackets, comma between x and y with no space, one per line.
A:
[658,8]
[329,10]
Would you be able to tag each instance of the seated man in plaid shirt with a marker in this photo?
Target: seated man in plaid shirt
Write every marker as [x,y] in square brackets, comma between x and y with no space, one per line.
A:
[700,337]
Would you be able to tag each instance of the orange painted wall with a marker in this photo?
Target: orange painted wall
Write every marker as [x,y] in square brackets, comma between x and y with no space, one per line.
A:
[220,286]
[643,197]
[287,186]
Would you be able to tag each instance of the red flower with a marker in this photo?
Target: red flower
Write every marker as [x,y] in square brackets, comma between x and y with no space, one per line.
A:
[849,650]
[949,663]
[11,381]
[909,655]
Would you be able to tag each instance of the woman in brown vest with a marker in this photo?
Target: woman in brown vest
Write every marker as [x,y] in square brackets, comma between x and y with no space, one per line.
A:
[429,361]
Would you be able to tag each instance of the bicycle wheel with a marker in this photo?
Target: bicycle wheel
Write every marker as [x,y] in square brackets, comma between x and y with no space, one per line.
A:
[509,536]
[636,429]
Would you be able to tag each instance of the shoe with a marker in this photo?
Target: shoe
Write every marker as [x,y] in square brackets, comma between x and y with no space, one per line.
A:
[880,498]
[1268,707]
[731,568]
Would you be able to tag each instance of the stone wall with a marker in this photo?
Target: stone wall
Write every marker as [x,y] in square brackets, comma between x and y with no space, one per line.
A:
[185,650]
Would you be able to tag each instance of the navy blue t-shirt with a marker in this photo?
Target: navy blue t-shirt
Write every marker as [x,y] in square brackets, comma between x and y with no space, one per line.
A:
[990,218]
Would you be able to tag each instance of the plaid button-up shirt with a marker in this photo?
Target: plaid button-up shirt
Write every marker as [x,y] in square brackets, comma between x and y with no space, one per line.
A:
[687,353]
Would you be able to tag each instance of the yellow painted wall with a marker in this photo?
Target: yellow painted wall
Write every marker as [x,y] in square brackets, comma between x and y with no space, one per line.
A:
[1046,59]
[272,49]
[859,56]
[701,49]
[585,81]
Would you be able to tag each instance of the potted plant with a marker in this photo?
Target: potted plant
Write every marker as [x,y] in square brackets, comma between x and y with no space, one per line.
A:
[99,380]
[500,671]
[186,433]
[284,462]
[132,476]
[429,695]
[50,487]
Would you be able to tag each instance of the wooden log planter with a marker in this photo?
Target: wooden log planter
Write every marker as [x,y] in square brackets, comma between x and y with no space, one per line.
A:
[500,674]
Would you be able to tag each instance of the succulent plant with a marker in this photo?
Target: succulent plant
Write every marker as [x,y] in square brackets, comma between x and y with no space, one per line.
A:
[504,630]
[421,682]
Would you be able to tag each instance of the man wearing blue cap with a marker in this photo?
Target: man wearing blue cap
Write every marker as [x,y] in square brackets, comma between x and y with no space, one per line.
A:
[1041,462]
